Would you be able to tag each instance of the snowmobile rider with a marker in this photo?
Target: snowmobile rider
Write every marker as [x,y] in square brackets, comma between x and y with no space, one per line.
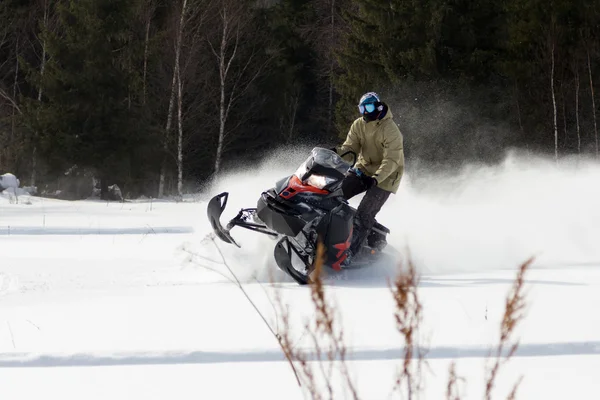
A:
[379,145]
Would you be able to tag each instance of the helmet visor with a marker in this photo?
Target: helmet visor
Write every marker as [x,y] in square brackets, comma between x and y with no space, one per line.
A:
[368,107]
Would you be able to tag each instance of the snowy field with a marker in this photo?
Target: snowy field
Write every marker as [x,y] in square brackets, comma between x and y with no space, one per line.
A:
[133,301]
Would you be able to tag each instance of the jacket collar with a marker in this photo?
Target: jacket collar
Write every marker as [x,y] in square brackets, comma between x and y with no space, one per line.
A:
[388,115]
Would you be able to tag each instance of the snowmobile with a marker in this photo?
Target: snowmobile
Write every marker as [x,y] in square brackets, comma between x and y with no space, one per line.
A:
[301,210]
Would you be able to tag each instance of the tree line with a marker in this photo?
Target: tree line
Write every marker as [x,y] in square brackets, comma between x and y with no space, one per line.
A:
[160,96]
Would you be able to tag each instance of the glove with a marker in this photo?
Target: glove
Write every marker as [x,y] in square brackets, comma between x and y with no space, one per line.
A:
[369,181]
[334,149]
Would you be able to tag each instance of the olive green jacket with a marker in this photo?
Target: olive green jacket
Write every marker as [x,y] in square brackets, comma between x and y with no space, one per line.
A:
[379,145]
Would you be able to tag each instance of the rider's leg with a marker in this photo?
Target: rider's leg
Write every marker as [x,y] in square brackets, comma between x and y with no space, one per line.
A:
[352,185]
[368,209]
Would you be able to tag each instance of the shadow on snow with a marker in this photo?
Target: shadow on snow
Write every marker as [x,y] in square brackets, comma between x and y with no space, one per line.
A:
[26,360]
[76,231]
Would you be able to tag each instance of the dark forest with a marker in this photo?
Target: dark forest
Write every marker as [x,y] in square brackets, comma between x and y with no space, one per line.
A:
[161,96]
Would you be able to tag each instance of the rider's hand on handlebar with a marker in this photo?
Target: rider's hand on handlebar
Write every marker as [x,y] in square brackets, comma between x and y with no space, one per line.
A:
[367,180]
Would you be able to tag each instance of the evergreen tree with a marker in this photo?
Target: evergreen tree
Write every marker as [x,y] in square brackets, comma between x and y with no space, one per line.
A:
[386,42]
[91,116]
[548,45]
[293,74]
[455,72]
[16,36]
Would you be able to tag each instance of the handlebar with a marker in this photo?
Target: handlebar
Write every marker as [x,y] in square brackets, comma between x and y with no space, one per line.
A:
[350,152]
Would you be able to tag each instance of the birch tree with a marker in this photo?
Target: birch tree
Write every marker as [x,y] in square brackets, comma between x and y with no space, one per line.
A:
[194,30]
[45,26]
[578,124]
[553,63]
[11,142]
[148,10]
[238,67]
[178,42]
[589,66]
[179,136]
[189,31]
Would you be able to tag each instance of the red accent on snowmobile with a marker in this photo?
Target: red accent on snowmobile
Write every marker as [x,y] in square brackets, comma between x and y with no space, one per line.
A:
[281,214]
[342,247]
[296,186]
[338,264]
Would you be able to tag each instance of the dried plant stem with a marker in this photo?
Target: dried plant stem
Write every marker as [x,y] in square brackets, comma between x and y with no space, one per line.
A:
[327,341]
[452,388]
[408,317]
[329,349]
[513,314]
[513,393]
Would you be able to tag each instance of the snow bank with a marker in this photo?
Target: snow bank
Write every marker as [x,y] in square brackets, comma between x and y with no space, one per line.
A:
[8,180]
[11,193]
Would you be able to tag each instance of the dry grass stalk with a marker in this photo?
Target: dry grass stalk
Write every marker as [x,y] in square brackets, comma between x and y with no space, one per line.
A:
[452,392]
[408,315]
[329,348]
[327,340]
[513,314]
[513,393]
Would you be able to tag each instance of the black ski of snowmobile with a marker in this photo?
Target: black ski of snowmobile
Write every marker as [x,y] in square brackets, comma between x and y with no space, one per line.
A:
[301,210]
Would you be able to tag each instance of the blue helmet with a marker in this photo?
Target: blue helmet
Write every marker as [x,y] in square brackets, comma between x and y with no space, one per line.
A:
[370,105]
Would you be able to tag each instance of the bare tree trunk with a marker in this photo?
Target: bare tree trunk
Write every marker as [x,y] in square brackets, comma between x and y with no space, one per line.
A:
[234,17]
[145,60]
[518,108]
[564,113]
[149,14]
[10,156]
[287,121]
[294,112]
[223,72]
[222,121]
[180,136]
[331,65]
[593,101]
[577,111]
[554,107]
[163,172]
[40,93]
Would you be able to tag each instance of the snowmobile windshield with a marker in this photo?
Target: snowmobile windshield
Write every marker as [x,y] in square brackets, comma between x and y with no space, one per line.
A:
[322,162]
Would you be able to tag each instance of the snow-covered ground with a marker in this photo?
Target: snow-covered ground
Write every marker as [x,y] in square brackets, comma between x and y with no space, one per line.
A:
[133,301]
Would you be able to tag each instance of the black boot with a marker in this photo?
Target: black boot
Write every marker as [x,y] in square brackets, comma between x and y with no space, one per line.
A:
[354,244]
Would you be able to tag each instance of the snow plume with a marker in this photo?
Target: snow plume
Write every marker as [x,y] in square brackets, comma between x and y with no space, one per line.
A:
[479,217]
[495,217]
[245,183]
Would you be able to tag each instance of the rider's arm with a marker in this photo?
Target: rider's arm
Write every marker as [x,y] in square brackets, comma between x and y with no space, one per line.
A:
[352,142]
[393,153]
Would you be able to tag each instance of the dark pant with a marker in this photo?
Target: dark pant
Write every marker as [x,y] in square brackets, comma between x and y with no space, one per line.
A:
[368,208]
